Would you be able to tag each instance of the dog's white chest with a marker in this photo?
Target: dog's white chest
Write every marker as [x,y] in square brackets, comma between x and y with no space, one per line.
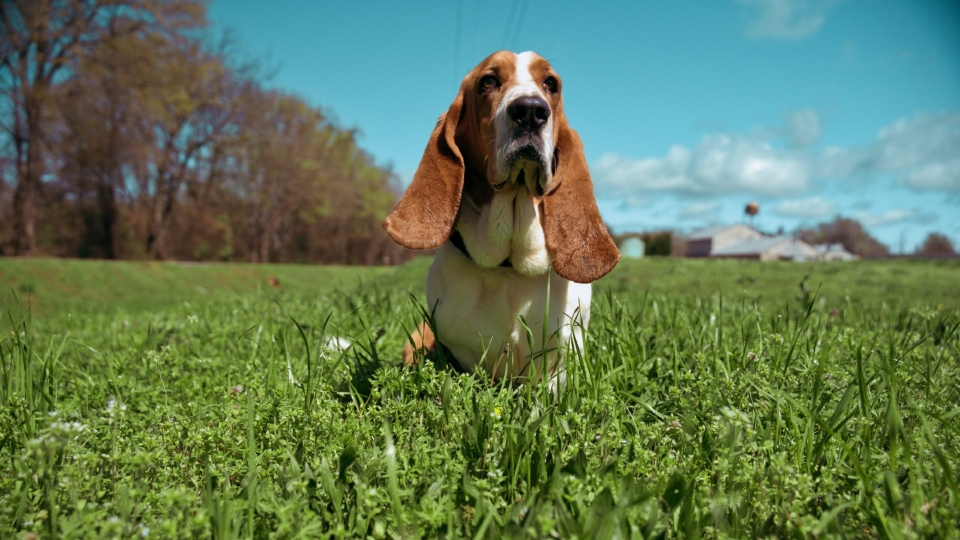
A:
[480,314]
[507,228]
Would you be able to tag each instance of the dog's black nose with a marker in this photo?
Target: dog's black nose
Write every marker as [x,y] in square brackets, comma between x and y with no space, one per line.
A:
[529,112]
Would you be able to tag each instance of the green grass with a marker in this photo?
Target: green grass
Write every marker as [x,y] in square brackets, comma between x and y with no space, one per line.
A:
[712,398]
[53,286]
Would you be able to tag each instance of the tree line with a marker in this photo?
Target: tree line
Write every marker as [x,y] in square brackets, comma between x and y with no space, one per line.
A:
[855,239]
[847,232]
[129,134]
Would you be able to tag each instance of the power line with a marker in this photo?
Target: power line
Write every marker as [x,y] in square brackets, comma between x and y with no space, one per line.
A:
[516,31]
[456,40]
[509,26]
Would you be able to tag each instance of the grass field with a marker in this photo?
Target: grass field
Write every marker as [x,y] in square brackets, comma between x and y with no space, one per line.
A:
[711,398]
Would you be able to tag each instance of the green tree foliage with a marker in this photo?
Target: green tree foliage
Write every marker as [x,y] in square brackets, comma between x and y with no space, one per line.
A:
[655,243]
[156,145]
[848,232]
[659,243]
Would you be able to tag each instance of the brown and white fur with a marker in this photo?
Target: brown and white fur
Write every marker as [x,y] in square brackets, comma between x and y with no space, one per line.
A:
[505,171]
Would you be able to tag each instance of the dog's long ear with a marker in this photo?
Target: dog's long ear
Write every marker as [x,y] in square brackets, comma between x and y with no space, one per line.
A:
[575,233]
[425,215]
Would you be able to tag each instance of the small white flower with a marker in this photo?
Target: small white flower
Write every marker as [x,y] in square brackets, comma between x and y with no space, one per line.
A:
[113,406]
[337,343]
[68,427]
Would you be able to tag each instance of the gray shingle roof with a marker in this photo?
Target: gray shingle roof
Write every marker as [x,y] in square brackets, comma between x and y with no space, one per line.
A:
[754,245]
[709,232]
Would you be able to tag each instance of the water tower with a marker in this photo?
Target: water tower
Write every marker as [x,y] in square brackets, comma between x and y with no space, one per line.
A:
[752,209]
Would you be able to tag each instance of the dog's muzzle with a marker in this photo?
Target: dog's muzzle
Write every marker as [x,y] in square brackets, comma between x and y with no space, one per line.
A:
[526,165]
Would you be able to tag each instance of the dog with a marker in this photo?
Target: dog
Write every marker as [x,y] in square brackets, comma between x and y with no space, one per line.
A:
[504,193]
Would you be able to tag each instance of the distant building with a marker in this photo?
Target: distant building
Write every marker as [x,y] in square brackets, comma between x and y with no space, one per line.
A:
[743,242]
[705,242]
[834,252]
[769,248]
[631,248]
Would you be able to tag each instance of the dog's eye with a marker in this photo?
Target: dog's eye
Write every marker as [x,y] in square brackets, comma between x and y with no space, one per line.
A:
[550,84]
[488,83]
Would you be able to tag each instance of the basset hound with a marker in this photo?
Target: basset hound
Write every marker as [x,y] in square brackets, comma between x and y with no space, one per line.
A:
[504,193]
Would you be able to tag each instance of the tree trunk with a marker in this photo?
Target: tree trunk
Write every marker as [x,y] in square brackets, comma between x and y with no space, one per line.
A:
[158,239]
[161,229]
[265,244]
[26,196]
[109,217]
[24,216]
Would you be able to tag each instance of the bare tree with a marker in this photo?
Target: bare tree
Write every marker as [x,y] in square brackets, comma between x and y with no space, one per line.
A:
[848,232]
[188,119]
[40,43]
[148,142]
[100,110]
[277,173]
[936,244]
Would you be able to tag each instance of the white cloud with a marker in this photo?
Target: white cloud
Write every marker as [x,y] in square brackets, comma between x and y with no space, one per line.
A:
[621,174]
[895,216]
[922,152]
[921,138]
[701,211]
[803,128]
[839,162]
[722,163]
[890,217]
[786,19]
[937,176]
[806,208]
[725,162]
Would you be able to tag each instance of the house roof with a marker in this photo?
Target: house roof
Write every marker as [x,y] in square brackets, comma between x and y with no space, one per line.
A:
[831,248]
[800,249]
[709,232]
[754,245]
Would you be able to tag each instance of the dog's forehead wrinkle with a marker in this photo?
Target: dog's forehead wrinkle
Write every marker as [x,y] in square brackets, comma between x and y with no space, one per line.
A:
[523,66]
[524,85]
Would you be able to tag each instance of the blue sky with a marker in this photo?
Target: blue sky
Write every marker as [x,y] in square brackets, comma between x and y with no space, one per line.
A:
[687,110]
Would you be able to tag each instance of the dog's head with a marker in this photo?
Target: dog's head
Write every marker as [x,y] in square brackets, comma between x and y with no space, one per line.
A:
[507,126]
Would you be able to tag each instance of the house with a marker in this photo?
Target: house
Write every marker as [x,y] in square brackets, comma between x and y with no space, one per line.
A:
[631,248]
[834,252]
[769,248]
[743,242]
[705,242]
